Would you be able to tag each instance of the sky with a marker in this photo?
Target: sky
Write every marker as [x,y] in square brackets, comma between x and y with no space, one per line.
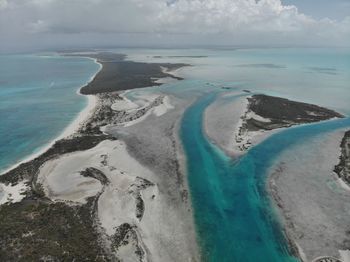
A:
[40,24]
[333,9]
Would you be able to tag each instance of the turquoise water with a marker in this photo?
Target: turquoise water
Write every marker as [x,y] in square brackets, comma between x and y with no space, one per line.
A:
[38,101]
[315,75]
[234,218]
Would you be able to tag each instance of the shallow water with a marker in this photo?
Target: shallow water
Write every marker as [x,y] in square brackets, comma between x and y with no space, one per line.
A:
[233,223]
[234,216]
[233,213]
[38,101]
[314,75]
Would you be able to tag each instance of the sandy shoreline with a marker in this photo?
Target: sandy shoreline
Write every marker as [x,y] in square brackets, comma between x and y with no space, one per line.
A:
[85,114]
[70,169]
[287,193]
[79,120]
[310,199]
[139,182]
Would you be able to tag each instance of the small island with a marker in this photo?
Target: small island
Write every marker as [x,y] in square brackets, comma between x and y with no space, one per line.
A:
[119,74]
[100,193]
[266,113]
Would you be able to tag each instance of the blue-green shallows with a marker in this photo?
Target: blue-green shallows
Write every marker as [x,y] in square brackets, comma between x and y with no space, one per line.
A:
[234,217]
[39,100]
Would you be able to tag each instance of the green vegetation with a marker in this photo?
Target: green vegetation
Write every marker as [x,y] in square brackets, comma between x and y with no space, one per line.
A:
[38,230]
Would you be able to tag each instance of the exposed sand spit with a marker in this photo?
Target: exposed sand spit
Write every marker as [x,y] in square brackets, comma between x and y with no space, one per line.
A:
[223,122]
[129,207]
[222,117]
[140,208]
[315,206]
[238,124]
[166,225]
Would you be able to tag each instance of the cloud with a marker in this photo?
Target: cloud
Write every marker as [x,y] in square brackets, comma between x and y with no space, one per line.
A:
[229,21]
[230,16]
[3,4]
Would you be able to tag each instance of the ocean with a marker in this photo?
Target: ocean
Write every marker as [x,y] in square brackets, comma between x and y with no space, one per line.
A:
[315,75]
[234,217]
[38,101]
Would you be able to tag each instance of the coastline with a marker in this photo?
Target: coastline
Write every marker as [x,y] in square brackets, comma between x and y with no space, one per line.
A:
[235,128]
[165,137]
[92,107]
[214,129]
[309,199]
[154,143]
[296,248]
[87,112]
[71,128]
[152,192]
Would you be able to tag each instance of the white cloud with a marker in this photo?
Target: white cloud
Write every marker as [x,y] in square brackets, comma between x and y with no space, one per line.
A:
[3,4]
[236,21]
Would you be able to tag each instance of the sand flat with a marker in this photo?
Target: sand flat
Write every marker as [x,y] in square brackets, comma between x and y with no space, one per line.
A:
[222,118]
[12,193]
[315,206]
[163,230]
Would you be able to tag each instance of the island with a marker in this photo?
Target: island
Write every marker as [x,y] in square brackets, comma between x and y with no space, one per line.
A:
[266,113]
[96,195]
[119,74]
[310,199]
[117,187]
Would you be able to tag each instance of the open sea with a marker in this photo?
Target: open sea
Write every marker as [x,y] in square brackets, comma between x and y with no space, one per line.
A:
[234,218]
[38,100]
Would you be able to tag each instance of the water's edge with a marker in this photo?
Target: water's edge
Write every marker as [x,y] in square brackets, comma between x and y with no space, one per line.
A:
[234,215]
[69,129]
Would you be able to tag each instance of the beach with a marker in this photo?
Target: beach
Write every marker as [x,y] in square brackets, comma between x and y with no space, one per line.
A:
[73,127]
[308,196]
[51,101]
[152,208]
[156,169]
